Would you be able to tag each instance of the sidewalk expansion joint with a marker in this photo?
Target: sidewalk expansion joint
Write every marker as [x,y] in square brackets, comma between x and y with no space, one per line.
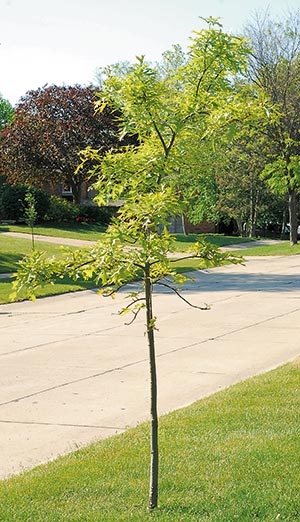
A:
[63,424]
[140,361]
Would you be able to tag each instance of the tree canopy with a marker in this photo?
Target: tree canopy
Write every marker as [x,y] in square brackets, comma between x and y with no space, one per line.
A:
[51,125]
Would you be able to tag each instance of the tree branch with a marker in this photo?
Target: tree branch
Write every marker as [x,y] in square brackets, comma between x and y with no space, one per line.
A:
[181,297]
[135,314]
[195,256]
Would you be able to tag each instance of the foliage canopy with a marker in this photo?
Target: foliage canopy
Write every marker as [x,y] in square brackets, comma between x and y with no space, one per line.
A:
[51,125]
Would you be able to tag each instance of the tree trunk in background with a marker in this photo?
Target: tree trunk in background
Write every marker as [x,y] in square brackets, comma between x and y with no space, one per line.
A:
[183,221]
[239,226]
[153,486]
[76,191]
[293,217]
[283,224]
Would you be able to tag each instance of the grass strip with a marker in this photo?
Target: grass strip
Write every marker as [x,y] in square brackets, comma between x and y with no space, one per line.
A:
[86,231]
[63,286]
[279,249]
[12,249]
[184,243]
[231,457]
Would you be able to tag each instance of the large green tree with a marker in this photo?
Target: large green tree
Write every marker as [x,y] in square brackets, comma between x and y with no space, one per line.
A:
[168,113]
[242,193]
[51,125]
[274,66]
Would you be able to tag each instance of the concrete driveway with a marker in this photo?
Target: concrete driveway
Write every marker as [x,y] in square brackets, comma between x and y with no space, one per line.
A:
[72,372]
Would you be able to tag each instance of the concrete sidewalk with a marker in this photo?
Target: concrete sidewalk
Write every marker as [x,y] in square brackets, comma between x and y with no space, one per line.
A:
[72,372]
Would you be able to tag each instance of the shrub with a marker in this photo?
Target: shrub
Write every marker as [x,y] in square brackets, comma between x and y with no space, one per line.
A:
[13,204]
[92,213]
[60,210]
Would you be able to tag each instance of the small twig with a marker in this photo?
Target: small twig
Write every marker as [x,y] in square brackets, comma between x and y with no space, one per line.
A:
[183,298]
[135,314]
[113,290]
[69,267]
[136,301]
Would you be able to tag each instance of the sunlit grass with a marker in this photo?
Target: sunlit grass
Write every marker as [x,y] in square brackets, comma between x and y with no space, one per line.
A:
[185,242]
[64,286]
[86,231]
[12,249]
[279,249]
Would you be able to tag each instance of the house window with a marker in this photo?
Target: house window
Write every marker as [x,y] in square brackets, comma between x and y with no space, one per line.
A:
[66,190]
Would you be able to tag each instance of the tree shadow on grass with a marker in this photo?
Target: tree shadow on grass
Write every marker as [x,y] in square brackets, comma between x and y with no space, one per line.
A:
[9,262]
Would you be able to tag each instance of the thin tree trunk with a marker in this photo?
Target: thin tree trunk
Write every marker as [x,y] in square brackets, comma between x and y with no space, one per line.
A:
[183,221]
[293,217]
[283,224]
[32,237]
[153,487]
[76,191]
[253,211]
[251,224]
[239,226]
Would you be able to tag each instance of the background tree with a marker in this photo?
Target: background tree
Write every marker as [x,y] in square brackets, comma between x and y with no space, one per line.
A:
[51,126]
[242,193]
[167,113]
[275,67]
[6,112]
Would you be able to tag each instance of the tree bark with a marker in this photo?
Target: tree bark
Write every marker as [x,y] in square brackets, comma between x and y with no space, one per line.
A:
[253,211]
[183,221]
[76,191]
[153,486]
[239,226]
[293,217]
[283,224]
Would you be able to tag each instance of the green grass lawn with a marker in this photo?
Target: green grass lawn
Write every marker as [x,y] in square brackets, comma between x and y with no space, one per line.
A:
[184,243]
[64,286]
[280,249]
[86,231]
[13,249]
[231,457]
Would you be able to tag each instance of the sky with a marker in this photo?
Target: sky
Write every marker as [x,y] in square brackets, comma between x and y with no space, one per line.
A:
[64,42]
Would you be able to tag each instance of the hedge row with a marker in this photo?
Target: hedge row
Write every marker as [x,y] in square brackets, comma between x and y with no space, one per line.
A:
[49,208]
